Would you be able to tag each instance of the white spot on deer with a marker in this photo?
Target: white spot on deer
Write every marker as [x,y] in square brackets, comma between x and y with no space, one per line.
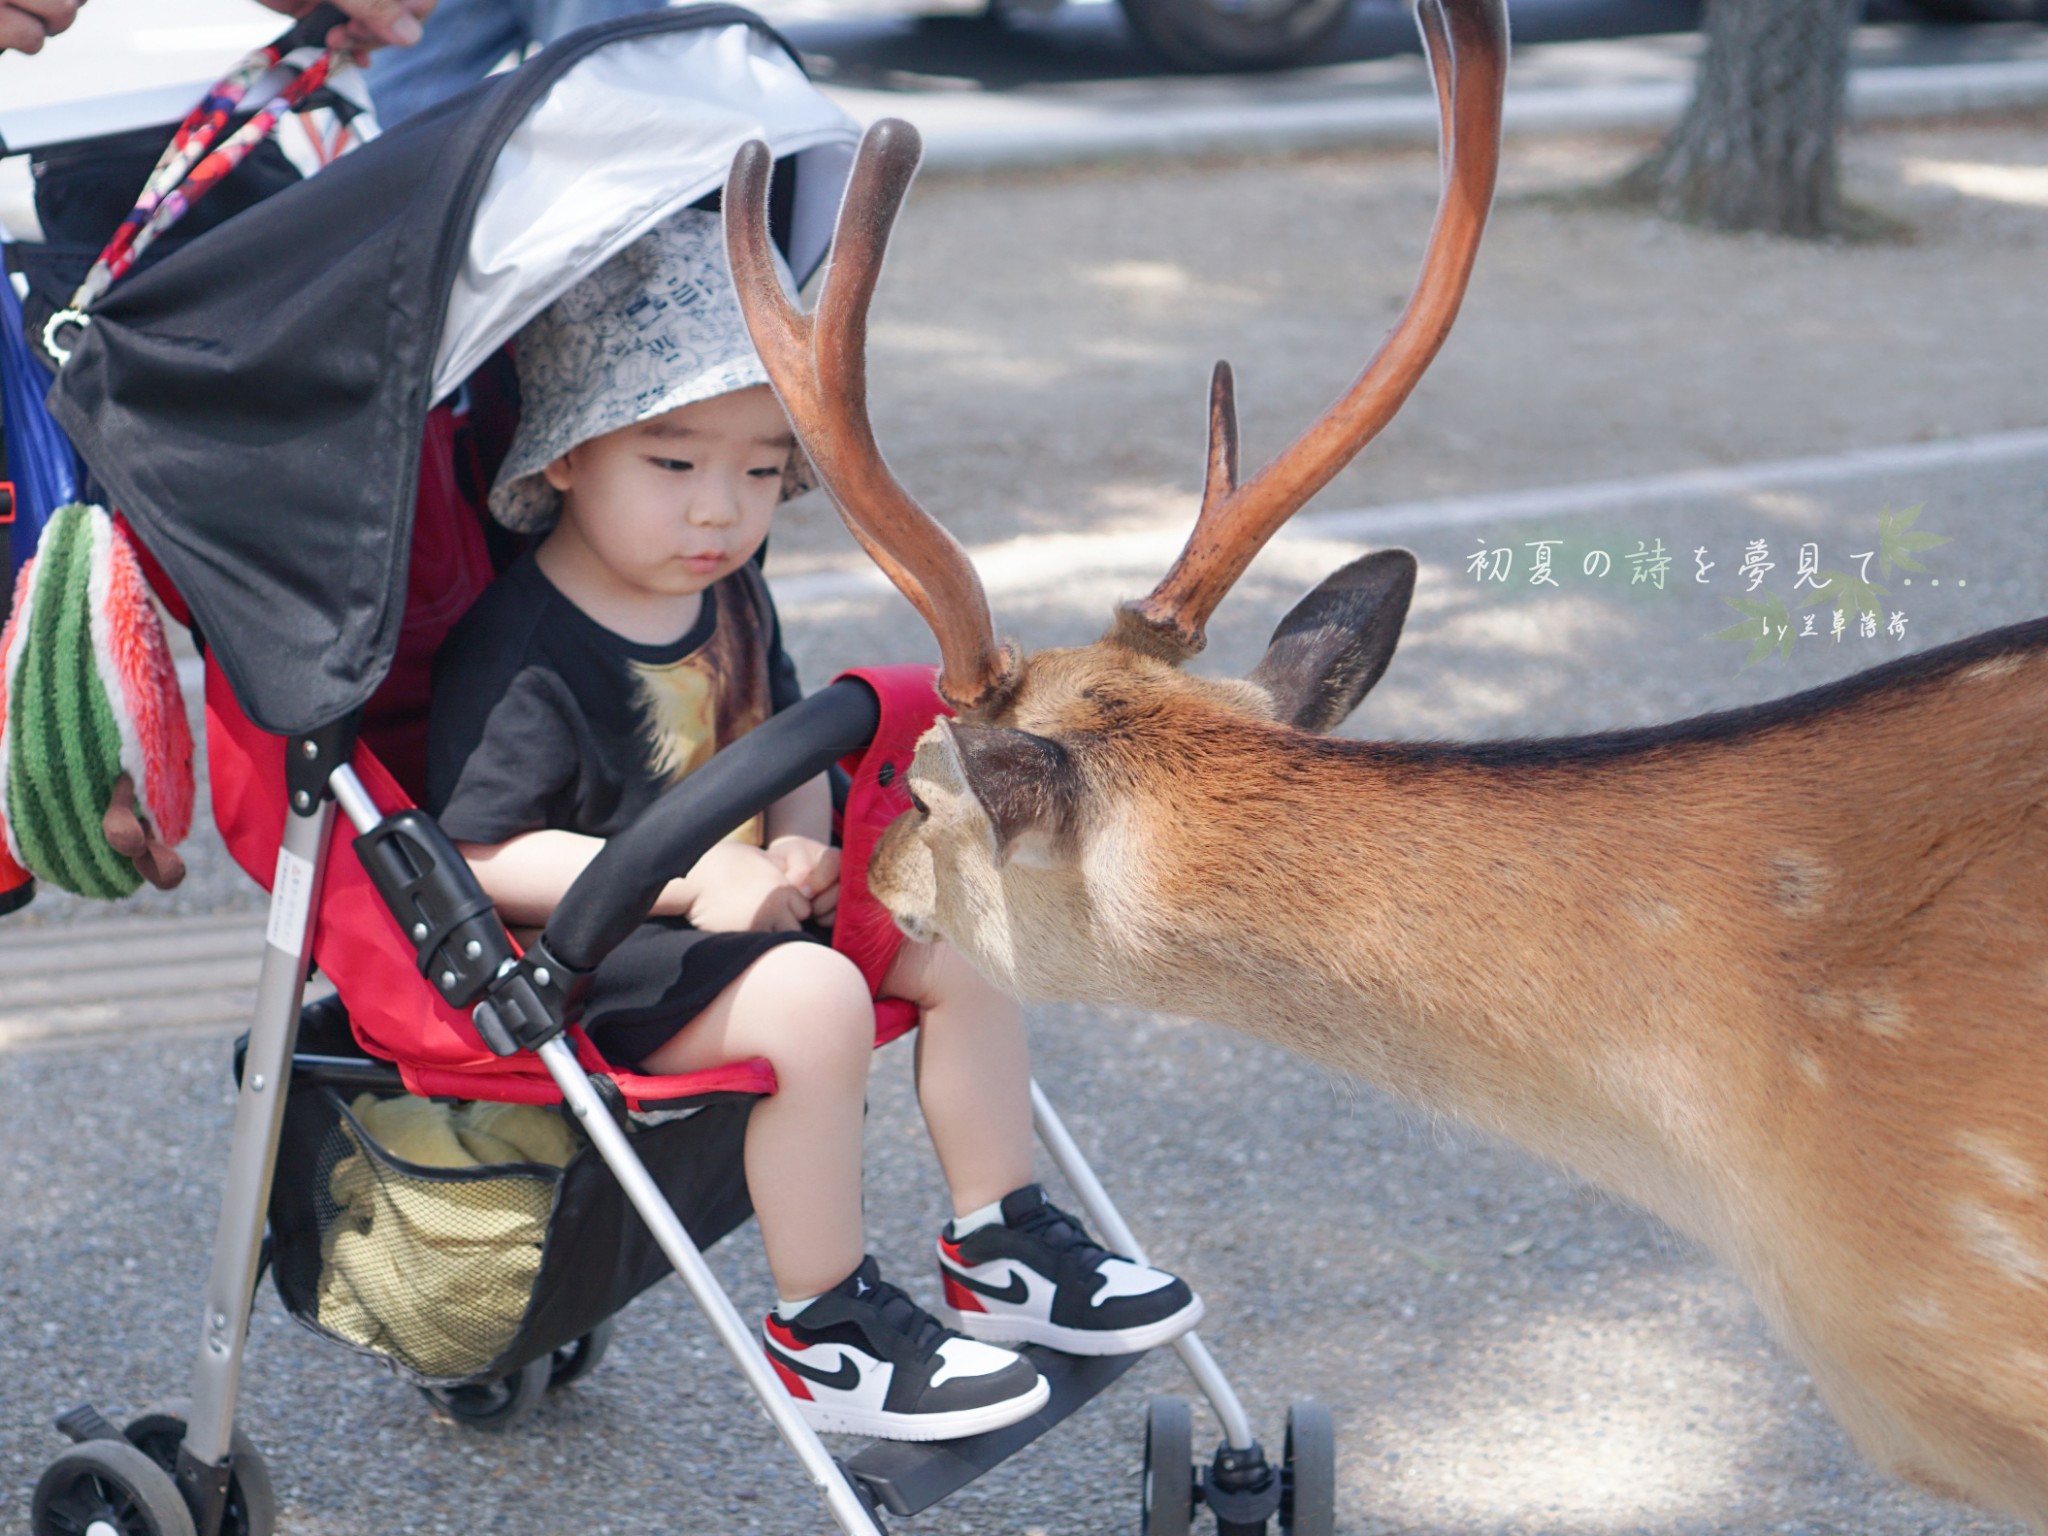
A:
[2005,1165]
[1993,1239]
[1882,1014]
[1925,1312]
[1799,882]
[1652,911]
[1997,666]
[1808,1066]
[1824,1004]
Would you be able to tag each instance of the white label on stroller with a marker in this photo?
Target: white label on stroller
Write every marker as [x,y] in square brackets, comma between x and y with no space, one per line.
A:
[291,896]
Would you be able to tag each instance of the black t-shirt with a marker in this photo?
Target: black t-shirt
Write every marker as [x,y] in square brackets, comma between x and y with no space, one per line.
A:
[542,717]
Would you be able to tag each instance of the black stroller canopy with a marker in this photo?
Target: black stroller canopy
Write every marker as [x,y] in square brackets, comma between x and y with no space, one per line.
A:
[254,402]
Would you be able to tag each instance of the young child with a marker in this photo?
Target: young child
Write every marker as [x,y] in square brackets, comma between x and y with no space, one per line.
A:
[634,641]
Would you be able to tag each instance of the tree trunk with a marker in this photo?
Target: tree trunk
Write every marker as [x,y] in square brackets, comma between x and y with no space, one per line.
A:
[1756,148]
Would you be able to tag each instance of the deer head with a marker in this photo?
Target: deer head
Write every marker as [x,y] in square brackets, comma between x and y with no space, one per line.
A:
[1028,798]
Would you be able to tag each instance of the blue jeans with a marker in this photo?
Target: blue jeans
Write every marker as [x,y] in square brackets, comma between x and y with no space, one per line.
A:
[466,39]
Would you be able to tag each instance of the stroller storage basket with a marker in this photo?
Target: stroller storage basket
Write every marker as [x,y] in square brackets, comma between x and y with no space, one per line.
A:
[458,1275]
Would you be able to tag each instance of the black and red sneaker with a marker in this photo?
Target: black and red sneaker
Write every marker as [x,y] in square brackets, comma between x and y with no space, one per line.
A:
[1036,1277]
[864,1359]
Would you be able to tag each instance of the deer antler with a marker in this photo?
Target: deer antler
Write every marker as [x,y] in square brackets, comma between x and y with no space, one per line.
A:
[818,364]
[1466,42]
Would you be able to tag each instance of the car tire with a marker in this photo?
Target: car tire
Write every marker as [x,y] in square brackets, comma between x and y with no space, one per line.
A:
[1205,36]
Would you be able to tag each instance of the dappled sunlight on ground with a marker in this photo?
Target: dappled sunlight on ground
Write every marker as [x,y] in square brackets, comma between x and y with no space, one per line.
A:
[2026,185]
[1579,1421]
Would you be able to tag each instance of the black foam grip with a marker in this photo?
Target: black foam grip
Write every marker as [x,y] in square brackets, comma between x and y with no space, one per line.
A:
[617,889]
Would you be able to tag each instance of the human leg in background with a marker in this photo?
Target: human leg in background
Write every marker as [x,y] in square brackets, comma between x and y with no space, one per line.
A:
[1016,1268]
[464,40]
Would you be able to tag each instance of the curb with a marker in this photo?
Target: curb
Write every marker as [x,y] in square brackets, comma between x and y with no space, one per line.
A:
[969,136]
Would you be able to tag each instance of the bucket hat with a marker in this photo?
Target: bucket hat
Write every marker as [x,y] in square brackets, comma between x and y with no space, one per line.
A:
[656,327]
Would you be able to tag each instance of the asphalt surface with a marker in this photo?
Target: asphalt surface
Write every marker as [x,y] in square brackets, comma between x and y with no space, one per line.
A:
[1504,1350]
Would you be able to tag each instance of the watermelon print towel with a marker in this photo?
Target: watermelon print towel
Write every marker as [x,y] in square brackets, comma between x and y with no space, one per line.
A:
[89,694]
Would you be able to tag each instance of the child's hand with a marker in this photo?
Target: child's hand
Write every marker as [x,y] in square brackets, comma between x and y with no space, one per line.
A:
[742,890]
[813,868]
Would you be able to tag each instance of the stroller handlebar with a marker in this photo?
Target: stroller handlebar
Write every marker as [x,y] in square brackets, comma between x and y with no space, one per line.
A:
[618,888]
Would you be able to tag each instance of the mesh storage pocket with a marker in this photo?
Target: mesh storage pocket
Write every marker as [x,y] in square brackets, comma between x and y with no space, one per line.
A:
[554,1251]
[433,1267]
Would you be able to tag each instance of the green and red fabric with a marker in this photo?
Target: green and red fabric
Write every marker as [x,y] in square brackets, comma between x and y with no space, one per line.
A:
[90,694]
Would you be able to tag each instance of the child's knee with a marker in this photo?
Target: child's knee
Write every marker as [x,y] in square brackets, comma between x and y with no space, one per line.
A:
[832,1017]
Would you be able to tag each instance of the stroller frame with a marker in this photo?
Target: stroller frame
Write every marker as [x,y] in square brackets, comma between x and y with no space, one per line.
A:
[897,1477]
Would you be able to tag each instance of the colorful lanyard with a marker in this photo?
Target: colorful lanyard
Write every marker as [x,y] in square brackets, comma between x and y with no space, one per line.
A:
[187,171]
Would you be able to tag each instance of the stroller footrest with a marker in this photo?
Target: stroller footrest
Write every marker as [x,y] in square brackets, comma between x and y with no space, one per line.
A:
[907,1478]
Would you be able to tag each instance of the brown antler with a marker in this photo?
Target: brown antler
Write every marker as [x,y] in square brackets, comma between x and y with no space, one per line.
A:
[819,367]
[1466,42]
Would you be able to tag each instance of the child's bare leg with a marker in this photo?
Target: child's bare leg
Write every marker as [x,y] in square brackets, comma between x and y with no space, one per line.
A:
[806,1009]
[973,1073]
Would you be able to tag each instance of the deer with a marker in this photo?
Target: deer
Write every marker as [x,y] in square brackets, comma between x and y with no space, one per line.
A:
[1807,1025]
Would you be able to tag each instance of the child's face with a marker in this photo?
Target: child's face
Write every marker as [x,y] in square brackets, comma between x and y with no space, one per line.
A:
[671,504]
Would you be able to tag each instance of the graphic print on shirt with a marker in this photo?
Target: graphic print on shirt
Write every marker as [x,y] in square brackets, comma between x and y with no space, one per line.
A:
[692,707]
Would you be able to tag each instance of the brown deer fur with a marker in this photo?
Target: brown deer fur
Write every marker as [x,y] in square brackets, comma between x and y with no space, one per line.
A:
[1779,975]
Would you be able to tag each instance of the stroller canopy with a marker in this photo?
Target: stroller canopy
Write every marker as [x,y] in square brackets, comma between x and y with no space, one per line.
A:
[254,403]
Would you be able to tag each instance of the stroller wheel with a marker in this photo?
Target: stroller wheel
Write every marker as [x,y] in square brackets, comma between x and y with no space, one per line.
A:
[573,1362]
[251,1509]
[1308,1473]
[107,1488]
[1169,1496]
[496,1406]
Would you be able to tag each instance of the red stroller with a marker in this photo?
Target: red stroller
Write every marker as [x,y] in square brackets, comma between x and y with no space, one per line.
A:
[254,405]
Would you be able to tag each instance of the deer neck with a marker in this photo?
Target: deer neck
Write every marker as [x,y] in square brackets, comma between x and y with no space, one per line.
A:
[1589,958]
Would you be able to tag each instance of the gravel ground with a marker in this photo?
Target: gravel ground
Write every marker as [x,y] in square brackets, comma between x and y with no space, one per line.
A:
[1505,1351]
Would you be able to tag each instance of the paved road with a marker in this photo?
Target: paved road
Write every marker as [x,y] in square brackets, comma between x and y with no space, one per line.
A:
[1505,1352]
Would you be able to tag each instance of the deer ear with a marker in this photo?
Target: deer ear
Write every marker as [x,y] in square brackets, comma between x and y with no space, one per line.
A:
[1026,784]
[1330,650]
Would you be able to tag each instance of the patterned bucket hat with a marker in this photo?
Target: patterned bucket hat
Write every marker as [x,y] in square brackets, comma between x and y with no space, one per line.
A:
[656,327]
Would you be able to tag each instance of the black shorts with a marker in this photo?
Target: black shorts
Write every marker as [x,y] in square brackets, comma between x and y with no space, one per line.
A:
[645,993]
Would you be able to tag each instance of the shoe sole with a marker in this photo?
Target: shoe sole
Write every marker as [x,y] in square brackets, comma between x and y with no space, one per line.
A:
[993,1328]
[957,1425]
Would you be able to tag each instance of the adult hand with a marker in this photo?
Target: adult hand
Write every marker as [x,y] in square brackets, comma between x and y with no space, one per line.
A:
[373,23]
[812,867]
[737,888]
[24,24]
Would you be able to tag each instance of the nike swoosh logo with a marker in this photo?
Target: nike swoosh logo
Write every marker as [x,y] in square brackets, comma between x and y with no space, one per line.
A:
[845,1379]
[1013,1293]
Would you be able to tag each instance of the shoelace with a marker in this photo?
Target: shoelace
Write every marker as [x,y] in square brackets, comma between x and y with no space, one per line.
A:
[899,1314]
[1061,1233]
